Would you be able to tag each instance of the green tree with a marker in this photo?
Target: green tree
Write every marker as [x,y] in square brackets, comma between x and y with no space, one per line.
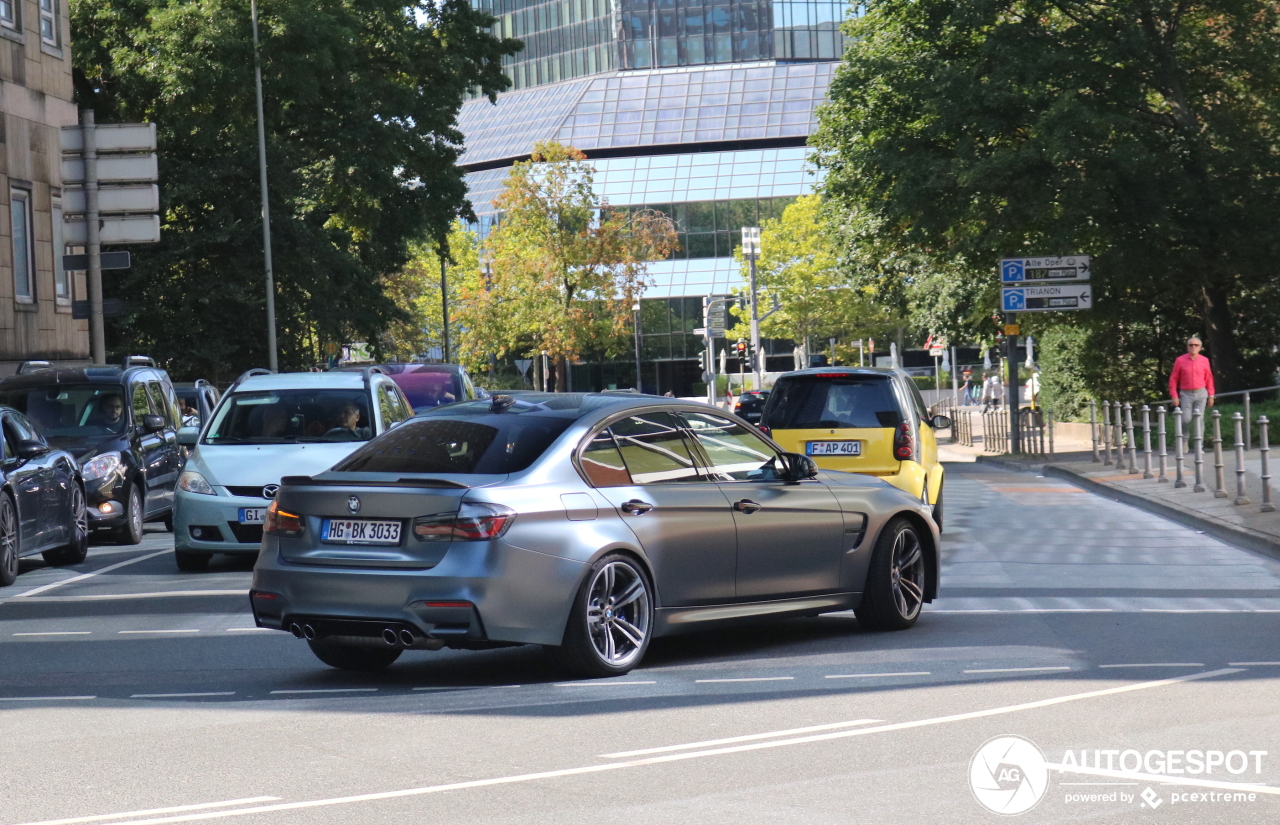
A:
[415,288]
[799,266]
[564,268]
[361,102]
[1142,133]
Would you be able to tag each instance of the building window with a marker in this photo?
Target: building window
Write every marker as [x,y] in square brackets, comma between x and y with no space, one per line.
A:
[61,278]
[8,14]
[49,21]
[23,259]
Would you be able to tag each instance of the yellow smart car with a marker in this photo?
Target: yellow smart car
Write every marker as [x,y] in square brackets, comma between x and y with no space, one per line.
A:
[860,420]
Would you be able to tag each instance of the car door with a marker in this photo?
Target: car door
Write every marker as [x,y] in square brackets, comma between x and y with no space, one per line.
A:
[789,533]
[51,522]
[152,450]
[169,457]
[643,464]
[26,478]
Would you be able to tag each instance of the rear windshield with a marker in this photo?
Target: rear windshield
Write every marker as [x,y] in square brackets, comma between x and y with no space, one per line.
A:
[429,389]
[835,401]
[474,446]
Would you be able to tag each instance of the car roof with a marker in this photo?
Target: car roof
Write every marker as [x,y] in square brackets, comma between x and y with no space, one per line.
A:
[879,371]
[105,374]
[335,380]
[573,405]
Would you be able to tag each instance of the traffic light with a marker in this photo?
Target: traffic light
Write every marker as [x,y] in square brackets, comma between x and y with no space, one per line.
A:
[742,348]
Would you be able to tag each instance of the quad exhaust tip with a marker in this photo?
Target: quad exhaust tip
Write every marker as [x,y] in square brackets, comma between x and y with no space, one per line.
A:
[389,636]
[303,631]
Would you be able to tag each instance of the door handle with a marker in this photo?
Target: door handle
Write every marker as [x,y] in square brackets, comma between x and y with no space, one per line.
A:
[636,507]
[746,506]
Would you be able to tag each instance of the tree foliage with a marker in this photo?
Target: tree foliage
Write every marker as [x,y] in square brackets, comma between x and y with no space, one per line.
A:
[415,288]
[361,99]
[1143,133]
[564,270]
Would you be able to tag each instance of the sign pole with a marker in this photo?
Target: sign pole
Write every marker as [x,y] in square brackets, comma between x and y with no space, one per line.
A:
[1011,358]
[955,381]
[97,335]
[272,361]
[444,305]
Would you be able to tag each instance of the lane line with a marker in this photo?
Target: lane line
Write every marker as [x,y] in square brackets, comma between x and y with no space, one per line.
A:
[746,679]
[873,675]
[672,757]
[84,576]
[180,695]
[188,630]
[1254,664]
[44,698]
[1157,664]
[57,633]
[326,690]
[171,810]
[1017,669]
[248,629]
[599,684]
[112,597]
[747,738]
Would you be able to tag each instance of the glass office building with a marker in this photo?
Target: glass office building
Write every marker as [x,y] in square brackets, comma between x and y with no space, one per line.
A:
[699,108]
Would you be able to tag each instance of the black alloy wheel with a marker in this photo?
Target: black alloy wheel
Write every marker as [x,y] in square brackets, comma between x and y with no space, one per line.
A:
[611,621]
[9,547]
[357,657]
[77,546]
[131,531]
[894,592]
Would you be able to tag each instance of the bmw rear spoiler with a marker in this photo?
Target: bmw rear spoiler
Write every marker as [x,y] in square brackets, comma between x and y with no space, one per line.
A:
[436,483]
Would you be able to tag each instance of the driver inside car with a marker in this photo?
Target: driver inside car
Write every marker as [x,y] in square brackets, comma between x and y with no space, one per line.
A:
[347,424]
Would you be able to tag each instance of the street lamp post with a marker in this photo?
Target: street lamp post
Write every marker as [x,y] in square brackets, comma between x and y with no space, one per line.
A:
[639,383]
[444,304]
[272,360]
[751,248]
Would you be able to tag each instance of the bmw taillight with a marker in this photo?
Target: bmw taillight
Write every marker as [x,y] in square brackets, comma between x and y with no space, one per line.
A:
[472,522]
[903,443]
[282,523]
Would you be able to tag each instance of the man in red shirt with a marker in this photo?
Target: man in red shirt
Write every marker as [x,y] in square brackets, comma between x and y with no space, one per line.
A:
[1191,381]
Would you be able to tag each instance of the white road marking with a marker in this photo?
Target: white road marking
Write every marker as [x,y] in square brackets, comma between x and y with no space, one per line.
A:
[327,690]
[174,809]
[502,687]
[1017,669]
[1161,778]
[57,633]
[1254,664]
[599,684]
[746,679]
[873,675]
[112,597]
[248,629]
[180,630]
[672,757]
[748,738]
[44,698]
[84,576]
[1034,610]
[1158,664]
[180,695]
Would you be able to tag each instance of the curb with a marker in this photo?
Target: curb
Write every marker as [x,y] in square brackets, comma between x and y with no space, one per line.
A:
[1009,464]
[1245,538]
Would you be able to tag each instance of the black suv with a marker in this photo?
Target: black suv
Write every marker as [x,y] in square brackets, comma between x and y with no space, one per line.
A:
[121,424]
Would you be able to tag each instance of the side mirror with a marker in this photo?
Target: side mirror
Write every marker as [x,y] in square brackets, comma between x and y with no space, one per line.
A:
[152,423]
[29,449]
[797,467]
[940,422]
[188,436]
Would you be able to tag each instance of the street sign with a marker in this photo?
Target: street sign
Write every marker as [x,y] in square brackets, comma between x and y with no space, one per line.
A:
[523,365]
[332,348]
[1069,268]
[115,229]
[137,198]
[113,169]
[111,307]
[1046,298]
[750,240]
[110,260]
[1012,329]
[112,137]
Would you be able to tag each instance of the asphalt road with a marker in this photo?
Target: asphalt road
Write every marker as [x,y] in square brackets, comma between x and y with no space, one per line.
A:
[132,693]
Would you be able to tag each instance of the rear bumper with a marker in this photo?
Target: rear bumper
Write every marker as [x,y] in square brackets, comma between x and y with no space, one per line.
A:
[510,595]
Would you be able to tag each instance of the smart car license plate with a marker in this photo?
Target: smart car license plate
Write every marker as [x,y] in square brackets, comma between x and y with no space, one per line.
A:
[253,515]
[360,531]
[834,447]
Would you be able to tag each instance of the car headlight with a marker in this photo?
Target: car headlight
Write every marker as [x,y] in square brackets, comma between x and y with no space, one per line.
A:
[100,466]
[193,482]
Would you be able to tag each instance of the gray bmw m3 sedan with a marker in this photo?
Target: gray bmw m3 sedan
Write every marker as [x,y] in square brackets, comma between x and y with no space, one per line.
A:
[589,523]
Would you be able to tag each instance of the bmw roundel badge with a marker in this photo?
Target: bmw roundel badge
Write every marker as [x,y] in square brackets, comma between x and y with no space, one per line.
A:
[353,504]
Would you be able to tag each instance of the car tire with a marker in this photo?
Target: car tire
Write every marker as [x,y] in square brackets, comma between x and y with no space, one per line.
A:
[168,522]
[10,548]
[358,657]
[191,562]
[131,531]
[611,621]
[74,551]
[894,591]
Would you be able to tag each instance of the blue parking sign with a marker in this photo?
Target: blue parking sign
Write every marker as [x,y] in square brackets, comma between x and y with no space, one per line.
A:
[1011,270]
[1015,300]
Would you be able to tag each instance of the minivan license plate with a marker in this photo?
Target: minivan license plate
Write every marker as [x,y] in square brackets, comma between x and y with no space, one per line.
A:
[253,515]
[835,447]
[360,531]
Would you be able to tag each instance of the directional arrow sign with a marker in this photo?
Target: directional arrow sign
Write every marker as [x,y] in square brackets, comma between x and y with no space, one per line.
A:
[1046,298]
[110,260]
[1069,268]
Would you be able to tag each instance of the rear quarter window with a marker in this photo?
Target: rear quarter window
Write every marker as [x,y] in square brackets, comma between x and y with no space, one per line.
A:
[495,444]
[835,402]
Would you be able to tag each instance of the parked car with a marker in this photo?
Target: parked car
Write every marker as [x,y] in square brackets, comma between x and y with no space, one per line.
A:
[201,397]
[121,424]
[267,426]
[861,420]
[429,385]
[586,522]
[42,504]
[750,404]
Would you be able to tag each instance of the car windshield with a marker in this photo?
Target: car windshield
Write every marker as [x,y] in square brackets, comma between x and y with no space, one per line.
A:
[429,389]
[72,409]
[817,401]
[501,443]
[292,416]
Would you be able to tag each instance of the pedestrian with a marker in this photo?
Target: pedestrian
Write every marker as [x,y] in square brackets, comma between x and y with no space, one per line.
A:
[1191,381]
[992,391]
[967,387]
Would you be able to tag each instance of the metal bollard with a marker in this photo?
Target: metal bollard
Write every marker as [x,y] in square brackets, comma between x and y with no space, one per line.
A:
[1220,482]
[1179,450]
[1049,414]
[1146,442]
[1163,478]
[1117,422]
[1264,448]
[1241,496]
[1106,433]
[1133,442]
[1197,440]
[1093,429]
[1248,431]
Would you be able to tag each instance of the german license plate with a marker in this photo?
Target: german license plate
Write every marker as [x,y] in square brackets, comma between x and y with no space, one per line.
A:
[360,531]
[253,515]
[834,447]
